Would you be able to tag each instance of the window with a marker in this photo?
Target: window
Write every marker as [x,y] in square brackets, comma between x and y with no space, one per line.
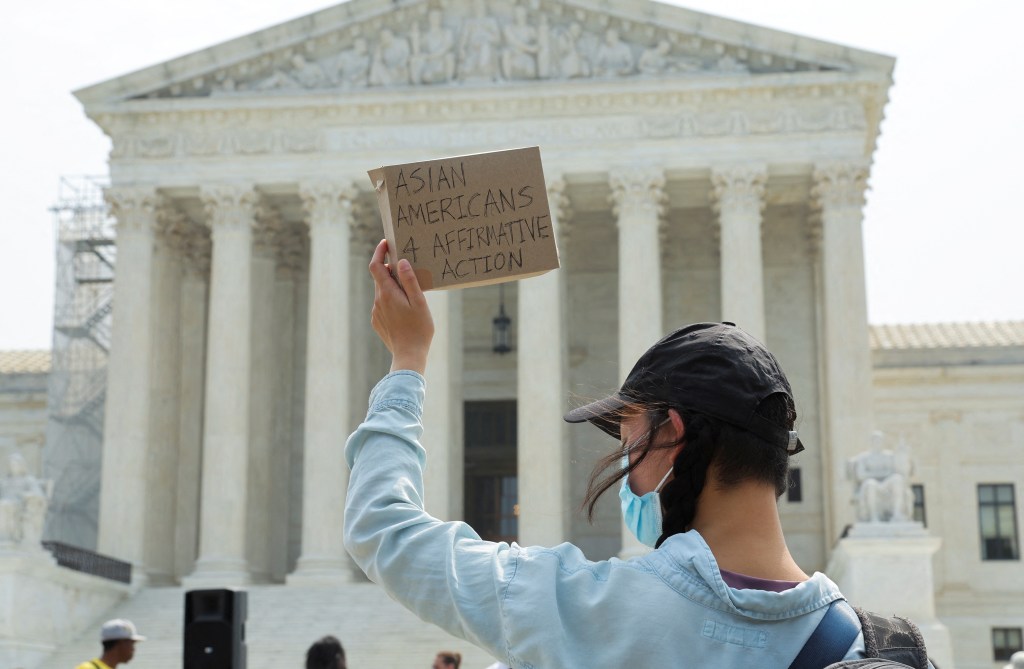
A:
[919,514]
[997,519]
[1005,642]
[796,491]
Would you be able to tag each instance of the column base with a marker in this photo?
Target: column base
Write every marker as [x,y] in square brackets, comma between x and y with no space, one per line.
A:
[324,571]
[217,573]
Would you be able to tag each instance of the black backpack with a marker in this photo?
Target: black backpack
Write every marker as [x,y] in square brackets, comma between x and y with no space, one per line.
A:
[890,643]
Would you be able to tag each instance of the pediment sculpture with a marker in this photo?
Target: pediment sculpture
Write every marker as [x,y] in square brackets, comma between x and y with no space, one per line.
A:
[881,479]
[489,43]
[23,503]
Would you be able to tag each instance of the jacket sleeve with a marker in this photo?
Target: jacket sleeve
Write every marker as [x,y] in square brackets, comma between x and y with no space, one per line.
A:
[441,571]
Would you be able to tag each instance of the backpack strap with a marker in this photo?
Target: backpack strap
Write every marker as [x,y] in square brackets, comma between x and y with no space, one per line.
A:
[831,639]
[894,638]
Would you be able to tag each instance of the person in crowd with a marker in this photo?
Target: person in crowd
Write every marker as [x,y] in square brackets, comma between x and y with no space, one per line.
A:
[118,637]
[447,659]
[703,428]
[326,653]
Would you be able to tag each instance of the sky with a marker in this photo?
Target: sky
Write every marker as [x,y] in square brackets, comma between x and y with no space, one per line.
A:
[943,229]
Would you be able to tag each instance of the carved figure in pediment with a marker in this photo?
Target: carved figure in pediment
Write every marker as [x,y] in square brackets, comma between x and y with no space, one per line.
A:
[571,63]
[545,58]
[23,502]
[656,60]
[519,59]
[478,45]
[390,60]
[729,63]
[433,52]
[613,57]
[353,65]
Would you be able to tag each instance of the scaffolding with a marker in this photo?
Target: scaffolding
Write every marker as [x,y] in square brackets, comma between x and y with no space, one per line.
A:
[83,303]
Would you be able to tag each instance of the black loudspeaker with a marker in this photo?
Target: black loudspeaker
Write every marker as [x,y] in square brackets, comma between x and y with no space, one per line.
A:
[215,629]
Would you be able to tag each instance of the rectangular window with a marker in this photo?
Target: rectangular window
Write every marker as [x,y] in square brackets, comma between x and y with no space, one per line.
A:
[997,520]
[1005,642]
[796,491]
[919,515]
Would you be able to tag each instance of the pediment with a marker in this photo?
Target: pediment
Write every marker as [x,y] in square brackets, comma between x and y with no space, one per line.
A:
[363,45]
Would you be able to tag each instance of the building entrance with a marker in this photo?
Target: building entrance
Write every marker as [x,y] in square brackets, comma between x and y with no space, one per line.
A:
[491,500]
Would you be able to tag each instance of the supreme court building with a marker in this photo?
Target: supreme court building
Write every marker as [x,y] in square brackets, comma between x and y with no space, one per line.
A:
[698,169]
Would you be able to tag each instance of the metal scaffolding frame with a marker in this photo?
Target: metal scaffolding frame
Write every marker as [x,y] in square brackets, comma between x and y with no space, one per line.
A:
[83,302]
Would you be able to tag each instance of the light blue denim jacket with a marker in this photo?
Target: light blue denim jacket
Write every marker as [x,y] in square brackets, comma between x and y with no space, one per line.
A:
[551,608]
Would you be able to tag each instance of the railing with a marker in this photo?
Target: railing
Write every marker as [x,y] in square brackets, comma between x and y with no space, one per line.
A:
[88,562]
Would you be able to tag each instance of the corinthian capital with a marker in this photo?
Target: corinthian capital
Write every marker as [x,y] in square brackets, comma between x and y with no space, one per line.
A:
[638,190]
[561,208]
[329,203]
[839,185]
[229,206]
[738,186]
[265,230]
[134,207]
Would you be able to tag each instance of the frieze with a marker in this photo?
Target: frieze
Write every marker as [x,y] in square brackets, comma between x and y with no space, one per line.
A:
[208,133]
[478,43]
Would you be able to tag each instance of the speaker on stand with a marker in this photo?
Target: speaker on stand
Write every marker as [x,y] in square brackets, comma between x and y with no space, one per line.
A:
[215,629]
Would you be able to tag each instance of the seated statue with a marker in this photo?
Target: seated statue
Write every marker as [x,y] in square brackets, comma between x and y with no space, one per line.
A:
[23,503]
[881,479]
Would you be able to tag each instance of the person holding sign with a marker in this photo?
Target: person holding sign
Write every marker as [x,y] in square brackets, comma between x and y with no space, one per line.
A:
[704,424]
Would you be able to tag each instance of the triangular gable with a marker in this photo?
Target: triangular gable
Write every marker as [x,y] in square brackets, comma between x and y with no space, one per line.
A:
[367,44]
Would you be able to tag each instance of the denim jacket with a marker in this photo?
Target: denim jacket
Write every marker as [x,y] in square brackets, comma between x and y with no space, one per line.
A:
[551,608]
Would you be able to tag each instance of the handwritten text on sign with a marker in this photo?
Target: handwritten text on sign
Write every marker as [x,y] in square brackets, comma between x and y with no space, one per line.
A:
[474,231]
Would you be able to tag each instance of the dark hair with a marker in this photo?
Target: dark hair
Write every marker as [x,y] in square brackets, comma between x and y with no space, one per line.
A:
[734,454]
[109,644]
[450,657]
[326,653]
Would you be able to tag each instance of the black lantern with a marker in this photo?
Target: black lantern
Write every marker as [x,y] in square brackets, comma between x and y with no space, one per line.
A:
[502,326]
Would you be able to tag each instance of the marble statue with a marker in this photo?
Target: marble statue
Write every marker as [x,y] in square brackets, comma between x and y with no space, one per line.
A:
[303,74]
[353,65]
[656,59]
[390,60]
[571,63]
[433,52]
[478,46]
[23,503]
[613,57]
[881,479]
[1016,661]
[519,59]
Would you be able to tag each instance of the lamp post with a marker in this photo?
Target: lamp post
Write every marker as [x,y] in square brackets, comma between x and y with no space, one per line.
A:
[501,326]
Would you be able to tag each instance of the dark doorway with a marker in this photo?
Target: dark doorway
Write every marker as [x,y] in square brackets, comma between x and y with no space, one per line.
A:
[492,491]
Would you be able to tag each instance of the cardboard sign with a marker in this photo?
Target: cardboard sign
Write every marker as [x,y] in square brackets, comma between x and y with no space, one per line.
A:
[468,220]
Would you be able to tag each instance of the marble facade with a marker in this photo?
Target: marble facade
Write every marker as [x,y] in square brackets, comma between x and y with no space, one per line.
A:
[702,169]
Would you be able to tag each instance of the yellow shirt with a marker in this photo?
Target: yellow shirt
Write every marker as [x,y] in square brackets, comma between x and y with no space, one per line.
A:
[99,664]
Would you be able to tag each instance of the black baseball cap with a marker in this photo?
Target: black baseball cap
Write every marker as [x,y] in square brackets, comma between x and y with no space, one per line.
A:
[712,368]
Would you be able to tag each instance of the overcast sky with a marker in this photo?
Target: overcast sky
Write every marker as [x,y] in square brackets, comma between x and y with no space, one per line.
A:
[944,232]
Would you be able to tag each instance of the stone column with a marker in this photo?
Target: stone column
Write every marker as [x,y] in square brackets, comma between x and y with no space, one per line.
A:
[289,265]
[738,198]
[838,194]
[262,394]
[127,429]
[443,433]
[328,362]
[222,518]
[639,200]
[165,383]
[192,337]
[542,372]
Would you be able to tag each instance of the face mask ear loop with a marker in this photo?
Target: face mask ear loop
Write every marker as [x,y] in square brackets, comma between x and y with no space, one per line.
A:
[663,479]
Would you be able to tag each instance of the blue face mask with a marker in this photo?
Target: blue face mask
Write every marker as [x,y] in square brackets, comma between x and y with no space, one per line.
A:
[642,515]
